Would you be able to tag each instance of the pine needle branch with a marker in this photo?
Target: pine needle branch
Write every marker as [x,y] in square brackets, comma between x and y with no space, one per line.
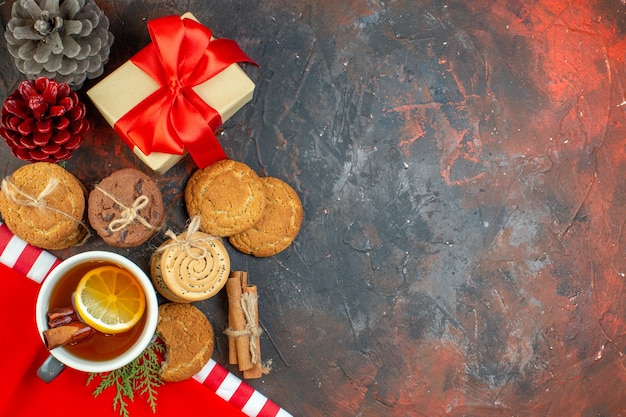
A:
[140,376]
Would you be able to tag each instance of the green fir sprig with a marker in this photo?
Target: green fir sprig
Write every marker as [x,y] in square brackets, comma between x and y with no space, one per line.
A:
[139,376]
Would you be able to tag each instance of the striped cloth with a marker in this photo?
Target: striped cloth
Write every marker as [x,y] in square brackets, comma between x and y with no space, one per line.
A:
[36,263]
[24,258]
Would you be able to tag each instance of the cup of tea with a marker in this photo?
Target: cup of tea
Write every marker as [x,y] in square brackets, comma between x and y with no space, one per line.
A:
[99,351]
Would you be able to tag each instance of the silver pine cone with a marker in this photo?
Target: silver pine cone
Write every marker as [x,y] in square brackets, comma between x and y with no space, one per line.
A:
[66,40]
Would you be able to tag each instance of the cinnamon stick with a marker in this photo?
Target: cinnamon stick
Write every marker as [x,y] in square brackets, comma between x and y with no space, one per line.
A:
[233,293]
[256,370]
[241,354]
[244,333]
[58,312]
[61,315]
[67,334]
[62,320]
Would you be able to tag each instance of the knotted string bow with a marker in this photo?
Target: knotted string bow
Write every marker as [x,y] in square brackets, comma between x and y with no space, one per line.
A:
[174,117]
[189,239]
[128,213]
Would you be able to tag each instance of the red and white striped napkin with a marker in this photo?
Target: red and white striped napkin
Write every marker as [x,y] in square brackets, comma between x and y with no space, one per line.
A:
[18,255]
[36,263]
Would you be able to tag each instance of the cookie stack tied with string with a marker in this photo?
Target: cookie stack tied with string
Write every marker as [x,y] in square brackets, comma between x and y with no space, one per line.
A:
[126,208]
[191,266]
[261,216]
[44,205]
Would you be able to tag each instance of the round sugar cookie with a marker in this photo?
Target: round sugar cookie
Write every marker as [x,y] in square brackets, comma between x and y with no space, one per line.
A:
[227,195]
[279,224]
[190,270]
[43,204]
[189,340]
[126,208]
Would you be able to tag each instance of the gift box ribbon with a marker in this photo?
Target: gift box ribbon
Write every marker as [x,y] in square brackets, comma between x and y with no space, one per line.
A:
[181,56]
[212,391]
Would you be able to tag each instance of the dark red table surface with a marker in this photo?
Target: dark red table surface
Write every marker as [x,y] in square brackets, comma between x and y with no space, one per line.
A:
[462,166]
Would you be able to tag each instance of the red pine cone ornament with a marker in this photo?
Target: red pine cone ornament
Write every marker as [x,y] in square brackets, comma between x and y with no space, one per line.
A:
[43,120]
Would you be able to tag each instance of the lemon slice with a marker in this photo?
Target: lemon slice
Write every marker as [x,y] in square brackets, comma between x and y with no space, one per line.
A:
[109,299]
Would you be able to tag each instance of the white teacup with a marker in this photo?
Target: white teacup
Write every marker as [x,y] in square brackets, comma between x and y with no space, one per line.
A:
[51,367]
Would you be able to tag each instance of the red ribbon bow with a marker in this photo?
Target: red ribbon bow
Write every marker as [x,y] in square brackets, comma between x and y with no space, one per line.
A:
[174,118]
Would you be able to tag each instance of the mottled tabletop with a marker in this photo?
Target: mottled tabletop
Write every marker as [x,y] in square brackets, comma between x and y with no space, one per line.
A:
[462,167]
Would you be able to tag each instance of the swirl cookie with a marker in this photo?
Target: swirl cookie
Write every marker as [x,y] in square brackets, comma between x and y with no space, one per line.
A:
[190,268]
[279,224]
[227,195]
[126,208]
[189,340]
[44,204]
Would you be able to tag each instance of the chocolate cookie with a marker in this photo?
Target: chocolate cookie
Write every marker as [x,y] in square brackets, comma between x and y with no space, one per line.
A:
[227,195]
[44,205]
[189,339]
[126,208]
[279,224]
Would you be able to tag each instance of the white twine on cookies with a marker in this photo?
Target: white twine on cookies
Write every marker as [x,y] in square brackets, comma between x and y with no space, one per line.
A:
[251,329]
[129,214]
[24,199]
[187,241]
[27,199]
